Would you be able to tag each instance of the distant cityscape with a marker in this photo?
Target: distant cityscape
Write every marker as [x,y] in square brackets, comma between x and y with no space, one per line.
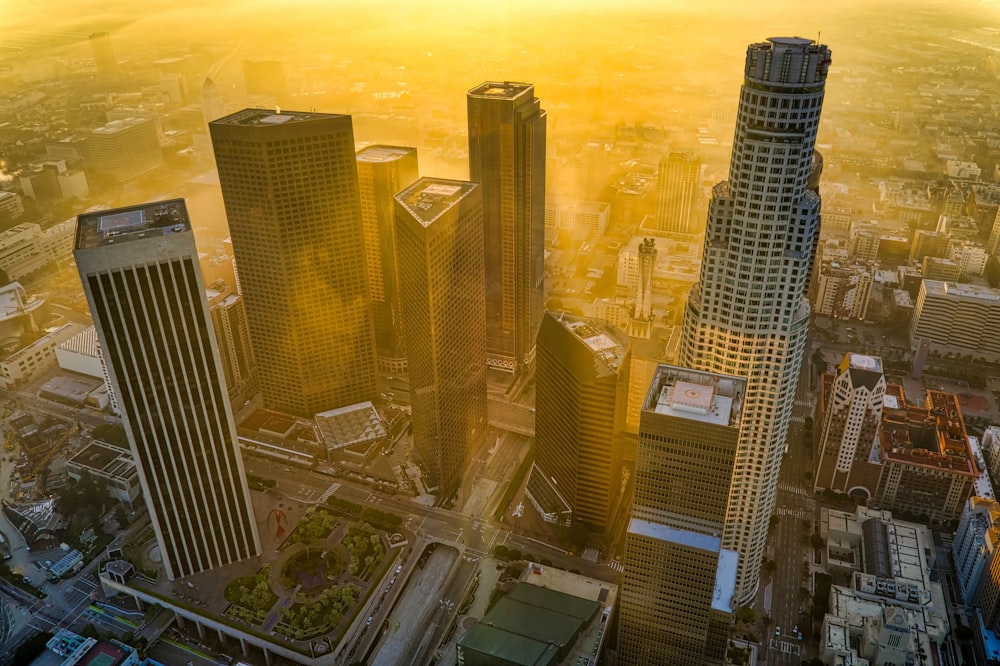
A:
[718,389]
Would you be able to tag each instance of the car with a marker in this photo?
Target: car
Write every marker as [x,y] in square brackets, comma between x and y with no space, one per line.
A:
[777,631]
[399,568]
[799,635]
[369,621]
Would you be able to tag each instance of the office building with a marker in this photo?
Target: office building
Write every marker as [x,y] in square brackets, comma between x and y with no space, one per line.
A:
[105,62]
[124,149]
[927,464]
[507,159]
[139,269]
[641,324]
[439,243]
[229,319]
[679,582]
[940,270]
[974,548]
[678,187]
[851,414]
[290,186]
[955,318]
[581,390]
[382,172]
[748,314]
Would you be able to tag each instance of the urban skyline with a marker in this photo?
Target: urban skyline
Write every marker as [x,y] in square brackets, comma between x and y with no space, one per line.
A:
[735,553]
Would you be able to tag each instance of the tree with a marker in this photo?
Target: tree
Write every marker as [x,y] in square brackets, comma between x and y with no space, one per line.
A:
[771,566]
[31,648]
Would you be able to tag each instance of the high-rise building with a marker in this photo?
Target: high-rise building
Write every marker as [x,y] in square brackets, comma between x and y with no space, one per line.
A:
[851,407]
[581,392]
[104,57]
[139,268]
[678,184]
[382,172]
[641,322]
[439,243]
[290,186]
[679,581]
[748,314]
[845,291]
[229,318]
[507,158]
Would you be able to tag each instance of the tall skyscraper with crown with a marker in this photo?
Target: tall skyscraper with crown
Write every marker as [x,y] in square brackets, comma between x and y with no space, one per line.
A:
[748,314]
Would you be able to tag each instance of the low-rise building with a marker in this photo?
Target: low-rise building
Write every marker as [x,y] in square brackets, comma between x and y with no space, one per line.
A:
[114,466]
[892,611]
[844,290]
[352,432]
[25,363]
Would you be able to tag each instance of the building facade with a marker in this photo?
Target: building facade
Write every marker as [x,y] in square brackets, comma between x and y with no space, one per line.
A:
[507,158]
[927,464]
[382,172]
[229,319]
[581,390]
[844,291]
[679,582]
[957,318]
[439,243]
[678,186]
[290,185]
[139,268]
[748,314]
[851,417]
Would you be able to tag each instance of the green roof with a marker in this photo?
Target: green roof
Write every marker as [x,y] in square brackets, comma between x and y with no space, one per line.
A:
[490,646]
[541,624]
[543,597]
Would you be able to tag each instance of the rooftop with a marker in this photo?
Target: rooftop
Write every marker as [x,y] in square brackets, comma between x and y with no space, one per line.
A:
[347,426]
[696,395]
[686,538]
[930,436]
[939,288]
[429,198]
[608,345]
[269,117]
[383,153]
[118,225]
[501,90]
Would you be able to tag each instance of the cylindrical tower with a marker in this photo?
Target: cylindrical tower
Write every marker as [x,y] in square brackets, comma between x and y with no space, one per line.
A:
[748,314]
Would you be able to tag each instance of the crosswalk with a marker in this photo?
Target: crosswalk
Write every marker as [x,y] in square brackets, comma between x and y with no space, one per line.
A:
[804,514]
[326,493]
[790,488]
[617,566]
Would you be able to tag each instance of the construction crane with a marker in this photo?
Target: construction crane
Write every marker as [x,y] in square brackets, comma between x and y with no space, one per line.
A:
[47,458]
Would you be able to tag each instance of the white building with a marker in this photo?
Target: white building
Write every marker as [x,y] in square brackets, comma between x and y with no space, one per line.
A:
[970,257]
[845,291]
[124,149]
[82,354]
[28,362]
[963,170]
[748,314]
[957,318]
[25,249]
[584,219]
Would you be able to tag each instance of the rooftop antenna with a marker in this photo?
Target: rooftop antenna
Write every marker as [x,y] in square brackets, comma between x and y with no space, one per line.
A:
[277,110]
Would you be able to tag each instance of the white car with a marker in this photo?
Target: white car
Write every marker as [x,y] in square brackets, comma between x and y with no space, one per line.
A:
[777,631]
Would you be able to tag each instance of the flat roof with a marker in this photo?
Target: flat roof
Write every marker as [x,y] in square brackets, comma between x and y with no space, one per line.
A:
[506,647]
[543,597]
[429,198]
[941,288]
[379,153]
[118,225]
[673,535]
[695,395]
[725,581]
[500,89]
[270,117]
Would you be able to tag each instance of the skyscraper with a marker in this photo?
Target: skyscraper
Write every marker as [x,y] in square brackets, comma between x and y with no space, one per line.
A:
[679,581]
[748,314]
[507,158]
[290,185]
[229,319]
[678,181]
[581,394]
[852,414]
[104,57]
[382,172]
[439,237]
[139,268]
